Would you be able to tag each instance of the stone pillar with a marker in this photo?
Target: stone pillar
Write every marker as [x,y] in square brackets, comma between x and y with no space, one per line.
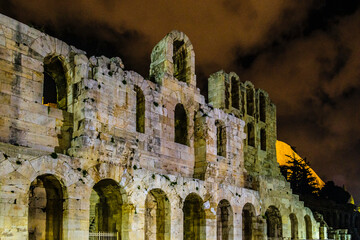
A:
[323,232]
[177,222]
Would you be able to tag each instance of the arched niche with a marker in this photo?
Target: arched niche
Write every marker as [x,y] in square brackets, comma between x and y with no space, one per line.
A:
[248,214]
[308,227]
[108,211]
[224,226]
[194,218]
[46,208]
[157,216]
[294,226]
[274,223]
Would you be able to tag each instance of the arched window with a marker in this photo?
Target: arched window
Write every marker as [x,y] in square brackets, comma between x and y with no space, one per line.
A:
[224,221]
[250,135]
[308,226]
[55,84]
[249,101]
[263,139]
[262,107]
[157,215]
[274,223]
[181,131]
[247,219]
[45,218]
[220,138]
[194,218]
[294,226]
[235,97]
[140,110]
[180,60]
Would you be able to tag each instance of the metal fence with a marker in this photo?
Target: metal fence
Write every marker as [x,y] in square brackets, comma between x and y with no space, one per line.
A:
[104,236]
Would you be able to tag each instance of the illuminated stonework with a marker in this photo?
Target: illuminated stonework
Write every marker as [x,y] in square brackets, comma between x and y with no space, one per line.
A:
[115,153]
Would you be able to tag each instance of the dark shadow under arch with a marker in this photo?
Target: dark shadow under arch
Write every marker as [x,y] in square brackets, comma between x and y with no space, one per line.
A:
[157,216]
[224,226]
[274,223]
[46,207]
[194,218]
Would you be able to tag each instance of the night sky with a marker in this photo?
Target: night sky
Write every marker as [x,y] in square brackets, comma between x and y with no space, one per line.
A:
[305,54]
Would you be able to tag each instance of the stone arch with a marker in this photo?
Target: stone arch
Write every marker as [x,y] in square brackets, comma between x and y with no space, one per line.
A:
[273,222]
[308,227]
[294,226]
[221,140]
[181,125]
[194,218]
[248,214]
[108,209]
[157,215]
[224,226]
[46,208]
[46,45]
[140,110]
[174,56]
[106,170]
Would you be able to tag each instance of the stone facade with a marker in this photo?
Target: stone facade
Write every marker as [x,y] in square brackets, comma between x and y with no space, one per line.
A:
[109,151]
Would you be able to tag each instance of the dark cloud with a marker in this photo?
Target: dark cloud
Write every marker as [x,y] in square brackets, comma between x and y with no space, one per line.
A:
[319,98]
[306,54]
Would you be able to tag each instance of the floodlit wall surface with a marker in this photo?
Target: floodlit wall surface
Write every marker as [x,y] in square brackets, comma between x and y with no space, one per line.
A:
[89,148]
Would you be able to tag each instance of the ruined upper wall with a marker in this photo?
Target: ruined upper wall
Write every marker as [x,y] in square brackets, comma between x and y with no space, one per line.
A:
[95,112]
[173,57]
[253,106]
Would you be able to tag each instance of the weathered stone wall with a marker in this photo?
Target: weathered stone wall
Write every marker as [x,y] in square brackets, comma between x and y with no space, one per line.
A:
[89,140]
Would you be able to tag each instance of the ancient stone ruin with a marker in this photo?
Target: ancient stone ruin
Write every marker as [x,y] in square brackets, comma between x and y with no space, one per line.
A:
[89,149]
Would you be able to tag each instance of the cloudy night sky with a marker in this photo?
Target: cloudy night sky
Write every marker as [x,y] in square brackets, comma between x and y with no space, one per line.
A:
[305,54]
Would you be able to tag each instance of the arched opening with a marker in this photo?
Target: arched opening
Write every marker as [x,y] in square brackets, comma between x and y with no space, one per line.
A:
[308,226]
[262,107]
[294,226]
[55,83]
[108,214]
[220,138]
[263,139]
[180,60]
[181,131]
[157,216]
[248,214]
[140,110]
[250,135]
[249,101]
[46,206]
[194,218]
[235,94]
[274,223]
[224,215]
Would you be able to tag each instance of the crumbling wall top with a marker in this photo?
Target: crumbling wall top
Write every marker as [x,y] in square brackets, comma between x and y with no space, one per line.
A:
[173,57]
